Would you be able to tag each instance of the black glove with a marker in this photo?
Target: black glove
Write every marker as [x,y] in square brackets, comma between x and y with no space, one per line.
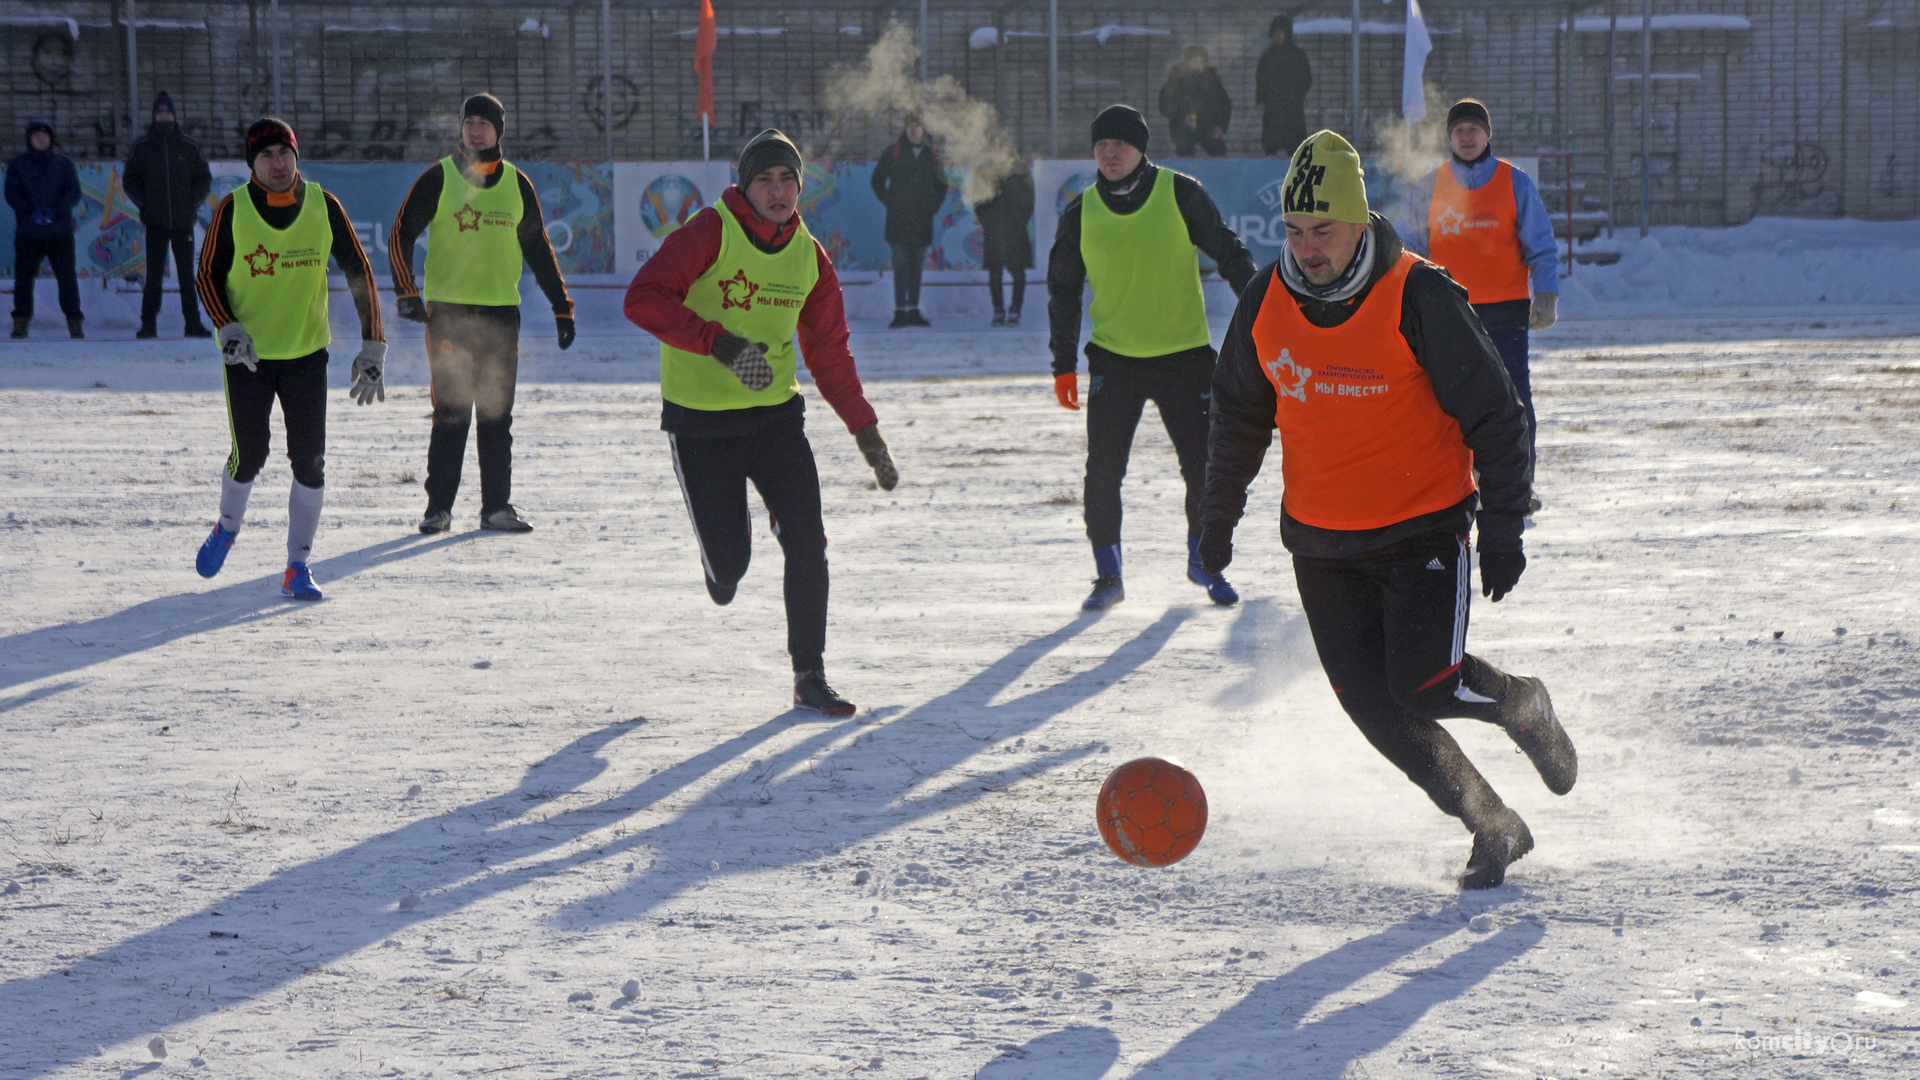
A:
[1500,571]
[411,308]
[1216,546]
[565,325]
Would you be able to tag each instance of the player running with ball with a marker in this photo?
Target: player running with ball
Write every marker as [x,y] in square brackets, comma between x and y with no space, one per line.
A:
[725,294]
[263,281]
[1387,395]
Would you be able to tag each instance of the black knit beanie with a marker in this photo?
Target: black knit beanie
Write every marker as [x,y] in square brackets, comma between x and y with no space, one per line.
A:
[765,151]
[1469,110]
[1122,122]
[269,132]
[488,108]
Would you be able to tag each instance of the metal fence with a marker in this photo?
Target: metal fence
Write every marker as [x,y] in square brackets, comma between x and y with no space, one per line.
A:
[1792,107]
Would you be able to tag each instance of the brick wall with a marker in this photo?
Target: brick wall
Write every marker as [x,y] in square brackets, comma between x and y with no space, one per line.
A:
[1812,108]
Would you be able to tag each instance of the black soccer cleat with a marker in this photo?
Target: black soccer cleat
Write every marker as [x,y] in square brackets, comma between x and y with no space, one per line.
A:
[721,592]
[1496,846]
[505,519]
[1107,591]
[811,692]
[436,521]
[1527,714]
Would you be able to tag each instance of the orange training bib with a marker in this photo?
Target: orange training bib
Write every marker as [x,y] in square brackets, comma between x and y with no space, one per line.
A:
[1472,234]
[1363,441]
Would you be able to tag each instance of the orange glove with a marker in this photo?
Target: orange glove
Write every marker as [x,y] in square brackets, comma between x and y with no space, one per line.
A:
[1067,389]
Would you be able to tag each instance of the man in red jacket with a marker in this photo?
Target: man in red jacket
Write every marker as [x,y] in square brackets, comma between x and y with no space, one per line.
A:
[726,294]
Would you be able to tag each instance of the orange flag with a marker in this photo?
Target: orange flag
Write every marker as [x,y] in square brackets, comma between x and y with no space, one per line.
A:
[703,45]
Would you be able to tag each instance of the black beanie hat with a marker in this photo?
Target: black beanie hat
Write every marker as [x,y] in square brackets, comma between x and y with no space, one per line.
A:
[1122,122]
[488,108]
[269,132]
[1279,23]
[1467,109]
[164,101]
[766,150]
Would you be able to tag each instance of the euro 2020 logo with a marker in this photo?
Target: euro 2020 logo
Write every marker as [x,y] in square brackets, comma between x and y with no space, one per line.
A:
[667,204]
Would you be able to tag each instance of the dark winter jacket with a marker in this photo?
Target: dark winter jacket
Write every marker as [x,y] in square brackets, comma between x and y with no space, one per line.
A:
[1067,268]
[167,177]
[1280,86]
[912,184]
[1196,99]
[43,188]
[1469,382]
[1004,221]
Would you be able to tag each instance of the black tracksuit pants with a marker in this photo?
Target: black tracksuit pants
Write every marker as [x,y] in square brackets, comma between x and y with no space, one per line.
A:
[778,461]
[1117,391]
[58,252]
[473,355]
[301,387]
[159,242]
[1391,629]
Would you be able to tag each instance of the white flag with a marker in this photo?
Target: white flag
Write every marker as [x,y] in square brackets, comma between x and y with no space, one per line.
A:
[1413,97]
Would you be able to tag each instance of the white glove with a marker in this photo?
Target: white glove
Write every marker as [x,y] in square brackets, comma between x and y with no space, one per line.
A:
[1546,312]
[369,370]
[236,346]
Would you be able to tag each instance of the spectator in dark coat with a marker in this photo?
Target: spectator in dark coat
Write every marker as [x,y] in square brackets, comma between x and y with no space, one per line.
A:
[1006,244]
[911,183]
[1195,103]
[1280,85]
[167,177]
[43,188]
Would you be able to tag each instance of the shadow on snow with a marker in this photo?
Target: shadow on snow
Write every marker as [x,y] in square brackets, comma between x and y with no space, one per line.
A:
[314,913]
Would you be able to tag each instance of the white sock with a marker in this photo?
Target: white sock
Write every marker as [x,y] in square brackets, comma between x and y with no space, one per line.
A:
[233,502]
[303,520]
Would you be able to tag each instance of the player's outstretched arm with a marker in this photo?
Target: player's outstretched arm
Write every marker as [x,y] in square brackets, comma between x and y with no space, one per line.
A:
[823,340]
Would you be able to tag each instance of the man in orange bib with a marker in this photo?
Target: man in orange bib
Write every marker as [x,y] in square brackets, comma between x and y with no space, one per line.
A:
[1483,220]
[1387,395]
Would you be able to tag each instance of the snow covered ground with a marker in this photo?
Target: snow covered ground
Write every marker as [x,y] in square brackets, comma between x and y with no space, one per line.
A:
[431,826]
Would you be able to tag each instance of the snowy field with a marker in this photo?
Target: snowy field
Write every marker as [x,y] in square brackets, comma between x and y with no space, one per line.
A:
[431,826]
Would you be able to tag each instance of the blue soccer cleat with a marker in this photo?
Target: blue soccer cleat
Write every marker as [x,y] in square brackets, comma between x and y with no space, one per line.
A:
[299,583]
[213,553]
[1216,585]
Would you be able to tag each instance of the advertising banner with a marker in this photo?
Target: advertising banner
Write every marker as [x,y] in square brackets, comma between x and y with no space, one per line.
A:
[608,219]
[651,199]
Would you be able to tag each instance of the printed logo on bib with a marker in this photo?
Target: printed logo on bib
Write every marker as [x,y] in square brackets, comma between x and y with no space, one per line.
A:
[1452,222]
[757,294]
[747,289]
[261,261]
[468,218]
[1355,382]
[1294,373]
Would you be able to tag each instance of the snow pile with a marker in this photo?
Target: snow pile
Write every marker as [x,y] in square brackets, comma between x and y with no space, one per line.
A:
[1766,262]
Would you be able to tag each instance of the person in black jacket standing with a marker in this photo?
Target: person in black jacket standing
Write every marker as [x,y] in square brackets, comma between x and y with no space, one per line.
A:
[1006,245]
[1132,237]
[1280,85]
[1196,104]
[167,177]
[911,183]
[1389,398]
[43,187]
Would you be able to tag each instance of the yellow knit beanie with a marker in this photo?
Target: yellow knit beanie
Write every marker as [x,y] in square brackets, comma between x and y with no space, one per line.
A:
[1326,180]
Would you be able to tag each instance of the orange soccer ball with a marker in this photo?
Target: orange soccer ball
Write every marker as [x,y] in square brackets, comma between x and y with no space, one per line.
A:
[1152,812]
